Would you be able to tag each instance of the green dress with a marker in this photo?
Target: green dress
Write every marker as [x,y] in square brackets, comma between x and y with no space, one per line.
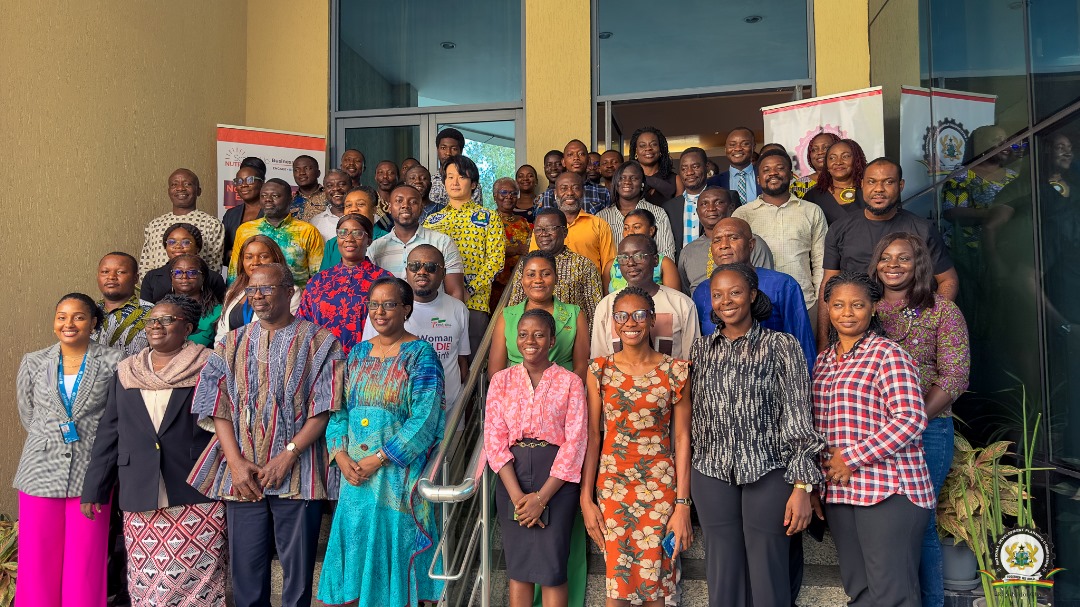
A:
[562,353]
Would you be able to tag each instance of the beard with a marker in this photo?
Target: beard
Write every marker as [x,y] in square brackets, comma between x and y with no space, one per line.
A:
[425,292]
[883,210]
[570,205]
[777,191]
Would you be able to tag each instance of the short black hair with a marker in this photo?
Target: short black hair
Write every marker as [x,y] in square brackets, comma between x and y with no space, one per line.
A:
[311,158]
[553,212]
[650,244]
[404,290]
[774,152]
[128,256]
[695,150]
[543,316]
[450,133]
[540,254]
[887,160]
[744,128]
[253,162]
[465,167]
[95,311]
[576,141]
[358,218]
[282,183]
[761,308]
[553,153]
[646,214]
[635,292]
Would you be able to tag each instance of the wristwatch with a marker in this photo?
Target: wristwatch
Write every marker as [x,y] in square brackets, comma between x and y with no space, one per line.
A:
[807,487]
[683,501]
[291,447]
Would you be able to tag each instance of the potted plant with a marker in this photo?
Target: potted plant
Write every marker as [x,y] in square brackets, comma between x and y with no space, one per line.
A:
[9,559]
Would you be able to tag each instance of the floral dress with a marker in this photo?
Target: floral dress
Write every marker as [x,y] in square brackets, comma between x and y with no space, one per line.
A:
[636,483]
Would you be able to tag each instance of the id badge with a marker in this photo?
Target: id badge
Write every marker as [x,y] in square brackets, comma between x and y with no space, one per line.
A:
[69,432]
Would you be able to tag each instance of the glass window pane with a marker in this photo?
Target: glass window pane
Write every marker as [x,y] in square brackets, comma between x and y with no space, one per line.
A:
[701,43]
[394,143]
[491,145]
[1055,54]
[409,54]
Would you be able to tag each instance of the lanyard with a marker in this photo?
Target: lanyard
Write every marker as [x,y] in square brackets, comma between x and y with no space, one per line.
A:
[69,402]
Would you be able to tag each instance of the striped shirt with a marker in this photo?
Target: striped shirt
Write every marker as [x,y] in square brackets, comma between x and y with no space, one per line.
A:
[869,403]
[665,240]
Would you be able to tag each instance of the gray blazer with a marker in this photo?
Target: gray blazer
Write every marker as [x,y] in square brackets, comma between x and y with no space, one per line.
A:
[49,467]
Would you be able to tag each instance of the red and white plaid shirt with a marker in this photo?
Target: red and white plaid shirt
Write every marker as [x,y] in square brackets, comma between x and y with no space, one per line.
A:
[869,403]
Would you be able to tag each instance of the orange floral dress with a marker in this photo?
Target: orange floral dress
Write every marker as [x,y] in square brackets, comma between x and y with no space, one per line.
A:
[636,484]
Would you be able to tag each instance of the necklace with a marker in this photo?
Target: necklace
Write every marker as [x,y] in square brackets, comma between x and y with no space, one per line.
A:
[387,349]
[847,195]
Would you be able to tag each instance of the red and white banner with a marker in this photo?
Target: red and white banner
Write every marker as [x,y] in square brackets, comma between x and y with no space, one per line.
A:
[277,149]
[854,115]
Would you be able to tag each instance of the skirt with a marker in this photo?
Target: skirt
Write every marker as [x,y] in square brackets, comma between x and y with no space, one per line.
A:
[177,556]
[536,555]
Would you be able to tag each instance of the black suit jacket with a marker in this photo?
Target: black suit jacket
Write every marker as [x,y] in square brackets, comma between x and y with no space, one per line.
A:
[723,180]
[674,209]
[129,450]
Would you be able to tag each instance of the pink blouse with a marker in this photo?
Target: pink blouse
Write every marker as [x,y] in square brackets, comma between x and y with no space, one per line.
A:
[554,411]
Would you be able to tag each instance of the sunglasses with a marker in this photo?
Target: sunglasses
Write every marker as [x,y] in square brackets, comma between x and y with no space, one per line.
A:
[429,266]
[161,320]
[638,316]
[192,273]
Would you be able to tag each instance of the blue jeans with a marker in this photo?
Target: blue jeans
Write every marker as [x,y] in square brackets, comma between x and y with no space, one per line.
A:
[938,452]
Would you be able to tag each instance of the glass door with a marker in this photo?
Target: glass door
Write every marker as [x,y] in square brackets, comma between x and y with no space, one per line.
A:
[491,141]
[386,138]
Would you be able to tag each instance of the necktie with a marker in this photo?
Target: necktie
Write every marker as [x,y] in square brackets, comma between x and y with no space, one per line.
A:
[744,194]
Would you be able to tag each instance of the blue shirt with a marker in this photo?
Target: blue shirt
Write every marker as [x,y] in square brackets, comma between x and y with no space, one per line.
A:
[788,310]
[595,200]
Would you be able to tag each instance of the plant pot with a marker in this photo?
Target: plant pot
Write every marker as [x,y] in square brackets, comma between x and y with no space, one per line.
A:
[981,602]
[959,567]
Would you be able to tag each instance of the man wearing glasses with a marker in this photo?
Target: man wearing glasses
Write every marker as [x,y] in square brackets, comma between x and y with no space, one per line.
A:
[184,191]
[300,242]
[676,325]
[267,392]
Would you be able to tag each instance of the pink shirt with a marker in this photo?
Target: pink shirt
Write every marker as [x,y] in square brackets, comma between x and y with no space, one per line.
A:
[554,411]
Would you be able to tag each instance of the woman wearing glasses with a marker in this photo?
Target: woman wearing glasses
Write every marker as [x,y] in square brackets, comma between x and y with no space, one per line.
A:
[178,239]
[639,441]
[518,232]
[236,311]
[247,185]
[189,274]
[149,440]
[337,298]
[384,536]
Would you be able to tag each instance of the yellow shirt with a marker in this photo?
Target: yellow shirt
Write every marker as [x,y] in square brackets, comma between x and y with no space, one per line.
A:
[300,242]
[590,237]
[481,241]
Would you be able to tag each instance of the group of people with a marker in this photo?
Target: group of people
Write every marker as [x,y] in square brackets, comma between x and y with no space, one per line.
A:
[776,351]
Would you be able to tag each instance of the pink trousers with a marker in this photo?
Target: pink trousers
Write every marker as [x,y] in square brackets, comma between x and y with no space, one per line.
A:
[62,554]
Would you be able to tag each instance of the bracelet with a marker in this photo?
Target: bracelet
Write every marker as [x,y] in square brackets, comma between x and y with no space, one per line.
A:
[537,494]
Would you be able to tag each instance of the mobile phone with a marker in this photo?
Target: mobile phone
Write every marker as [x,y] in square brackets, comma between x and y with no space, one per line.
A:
[668,543]
[543,515]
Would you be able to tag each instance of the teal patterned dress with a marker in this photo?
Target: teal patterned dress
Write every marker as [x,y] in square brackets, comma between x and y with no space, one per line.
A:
[383,538]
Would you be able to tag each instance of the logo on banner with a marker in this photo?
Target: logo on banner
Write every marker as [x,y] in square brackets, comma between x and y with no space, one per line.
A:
[943,147]
[234,156]
[804,144]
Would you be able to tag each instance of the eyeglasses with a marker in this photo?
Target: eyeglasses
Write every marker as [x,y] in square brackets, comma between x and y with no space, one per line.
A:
[192,273]
[547,231]
[389,306]
[249,180]
[161,320]
[632,257]
[264,290]
[429,266]
[172,242]
[343,233]
[506,192]
[638,316]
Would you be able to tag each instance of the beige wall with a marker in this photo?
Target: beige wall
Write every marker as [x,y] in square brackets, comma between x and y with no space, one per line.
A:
[101,101]
[288,51]
[894,59]
[841,46]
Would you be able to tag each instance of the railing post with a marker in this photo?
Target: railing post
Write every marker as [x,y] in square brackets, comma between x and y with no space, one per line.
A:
[485,543]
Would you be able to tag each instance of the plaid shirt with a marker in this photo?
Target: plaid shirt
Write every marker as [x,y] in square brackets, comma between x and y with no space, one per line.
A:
[869,403]
[596,199]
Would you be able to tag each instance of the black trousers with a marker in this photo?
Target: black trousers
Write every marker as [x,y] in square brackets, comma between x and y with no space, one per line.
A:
[478,324]
[255,530]
[747,549]
[879,548]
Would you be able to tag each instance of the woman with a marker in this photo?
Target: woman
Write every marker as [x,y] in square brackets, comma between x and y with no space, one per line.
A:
[968,193]
[518,231]
[381,442]
[361,201]
[839,188]
[178,239]
[642,221]
[629,180]
[189,274]
[931,329]
[642,398]
[868,405]
[815,159]
[571,347]
[248,188]
[526,180]
[257,250]
[61,393]
[534,438]
[337,298]
[649,147]
[755,448]
[148,439]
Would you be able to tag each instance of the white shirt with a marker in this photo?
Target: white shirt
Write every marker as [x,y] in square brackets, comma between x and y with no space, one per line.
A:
[326,223]
[673,333]
[389,253]
[444,323]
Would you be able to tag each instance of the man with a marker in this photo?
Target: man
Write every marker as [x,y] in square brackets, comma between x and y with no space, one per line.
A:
[391,251]
[592,169]
[851,240]
[300,241]
[407,164]
[449,142]
[793,228]
[740,177]
[420,178]
[309,200]
[682,210]
[586,234]
[437,317]
[575,159]
[733,242]
[386,178]
[609,161]
[267,391]
[335,186]
[553,167]
[352,162]
[184,192]
[695,261]
[578,279]
[125,313]
[676,325]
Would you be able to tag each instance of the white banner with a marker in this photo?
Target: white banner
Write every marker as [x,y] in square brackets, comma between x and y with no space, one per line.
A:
[277,149]
[854,115]
[935,126]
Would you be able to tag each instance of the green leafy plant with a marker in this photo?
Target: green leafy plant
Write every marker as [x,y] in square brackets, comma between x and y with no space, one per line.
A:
[9,559]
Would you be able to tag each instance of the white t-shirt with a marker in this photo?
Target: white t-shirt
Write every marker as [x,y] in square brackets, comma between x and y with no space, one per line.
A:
[389,253]
[674,331]
[444,323]
[326,223]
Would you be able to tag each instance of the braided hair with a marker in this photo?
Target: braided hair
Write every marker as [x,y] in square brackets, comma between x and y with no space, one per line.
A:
[190,310]
[761,308]
[664,166]
[195,232]
[864,282]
